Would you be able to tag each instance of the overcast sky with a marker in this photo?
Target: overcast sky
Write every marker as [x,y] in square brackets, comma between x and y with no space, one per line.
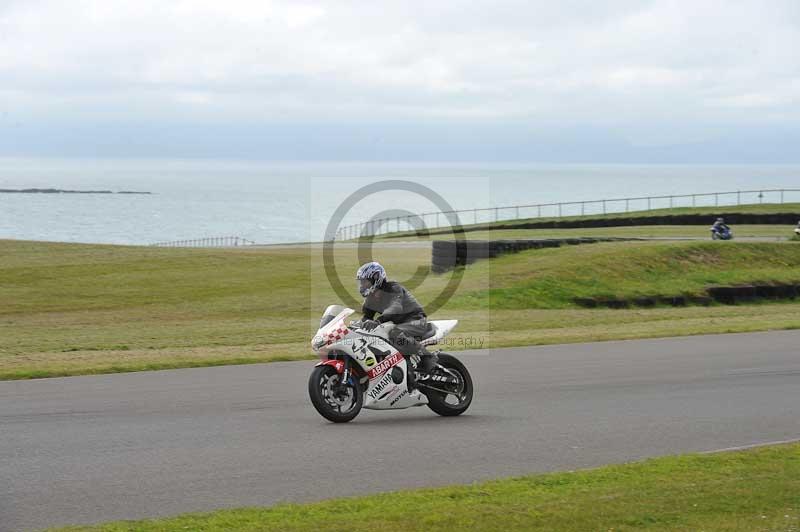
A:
[570,81]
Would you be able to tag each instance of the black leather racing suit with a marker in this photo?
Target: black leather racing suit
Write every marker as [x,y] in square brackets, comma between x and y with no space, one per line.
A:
[396,304]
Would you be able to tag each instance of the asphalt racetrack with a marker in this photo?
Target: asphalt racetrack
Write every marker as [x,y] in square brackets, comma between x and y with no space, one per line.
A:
[89,449]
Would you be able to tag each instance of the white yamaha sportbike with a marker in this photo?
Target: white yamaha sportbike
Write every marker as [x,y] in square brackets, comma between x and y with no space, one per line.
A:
[362,369]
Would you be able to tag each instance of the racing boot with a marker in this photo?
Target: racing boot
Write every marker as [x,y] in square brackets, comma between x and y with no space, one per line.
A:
[428,362]
[411,380]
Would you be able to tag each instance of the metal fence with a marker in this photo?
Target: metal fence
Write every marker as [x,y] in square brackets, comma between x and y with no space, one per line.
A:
[576,209]
[211,242]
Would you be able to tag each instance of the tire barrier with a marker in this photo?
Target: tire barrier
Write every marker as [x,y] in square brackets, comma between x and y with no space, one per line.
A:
[726,295]
[732,218]
[448,254]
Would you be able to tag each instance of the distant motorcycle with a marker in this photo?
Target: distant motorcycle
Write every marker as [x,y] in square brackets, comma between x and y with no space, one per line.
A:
[721,234]
[362,369]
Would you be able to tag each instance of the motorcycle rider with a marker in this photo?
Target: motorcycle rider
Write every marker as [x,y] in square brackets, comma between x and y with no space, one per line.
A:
[797,229]
[721,227]
[395,304]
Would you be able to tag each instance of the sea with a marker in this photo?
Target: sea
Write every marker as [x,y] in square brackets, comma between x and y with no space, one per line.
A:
[286,202]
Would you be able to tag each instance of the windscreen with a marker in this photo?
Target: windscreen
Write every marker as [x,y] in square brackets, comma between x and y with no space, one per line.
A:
[330,313]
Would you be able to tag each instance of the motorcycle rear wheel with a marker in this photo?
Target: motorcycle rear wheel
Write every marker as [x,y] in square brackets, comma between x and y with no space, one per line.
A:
[333,406]
[457,402]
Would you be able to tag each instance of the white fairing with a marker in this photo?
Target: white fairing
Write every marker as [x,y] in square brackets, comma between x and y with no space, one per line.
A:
[385,368]
[388,387]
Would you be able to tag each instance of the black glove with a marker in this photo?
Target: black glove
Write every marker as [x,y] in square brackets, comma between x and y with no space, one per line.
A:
[369,325]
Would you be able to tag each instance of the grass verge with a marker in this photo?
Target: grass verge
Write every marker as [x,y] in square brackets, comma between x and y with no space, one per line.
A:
[552,278]
[757,489]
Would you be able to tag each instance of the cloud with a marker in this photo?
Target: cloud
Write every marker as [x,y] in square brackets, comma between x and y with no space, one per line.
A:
[573,62]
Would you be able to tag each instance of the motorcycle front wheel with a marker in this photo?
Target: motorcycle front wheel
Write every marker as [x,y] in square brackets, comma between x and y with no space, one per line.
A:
[456,400]
[332,401]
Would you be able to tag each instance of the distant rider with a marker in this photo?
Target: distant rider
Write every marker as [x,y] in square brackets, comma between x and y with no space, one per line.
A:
[721,227]
[395,304]
[797,229]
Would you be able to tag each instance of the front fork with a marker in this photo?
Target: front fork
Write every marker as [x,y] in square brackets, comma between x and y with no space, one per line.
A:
[343,381]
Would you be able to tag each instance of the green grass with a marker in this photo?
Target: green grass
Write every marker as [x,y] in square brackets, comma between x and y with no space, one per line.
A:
[552,278]
[743,491]
[69,309]
[767,208]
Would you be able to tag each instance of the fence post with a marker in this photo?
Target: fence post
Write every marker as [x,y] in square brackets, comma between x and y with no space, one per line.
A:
[671,202]
[627,205]
[539,207]
[781,195]
[694,200]
[517,212]
[437,219]
[604,206]
[716,200]
[738,197]
[496,214]
[559,210]
[648,204]
[583,208]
